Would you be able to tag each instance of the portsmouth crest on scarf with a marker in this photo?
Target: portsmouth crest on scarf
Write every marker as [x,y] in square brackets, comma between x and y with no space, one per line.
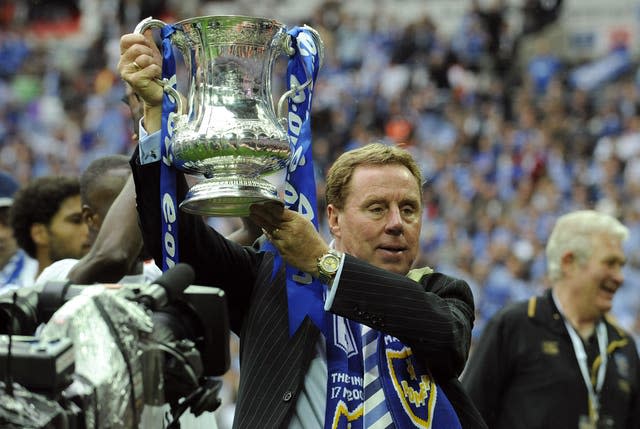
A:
[413,397]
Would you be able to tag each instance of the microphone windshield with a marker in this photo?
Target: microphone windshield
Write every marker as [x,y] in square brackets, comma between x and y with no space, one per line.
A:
[176,279]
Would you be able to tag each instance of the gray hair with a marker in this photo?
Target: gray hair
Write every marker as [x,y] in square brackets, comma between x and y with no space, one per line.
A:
[574,232]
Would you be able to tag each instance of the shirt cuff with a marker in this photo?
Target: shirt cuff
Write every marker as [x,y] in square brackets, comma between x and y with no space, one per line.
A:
[334,286]
[148,145]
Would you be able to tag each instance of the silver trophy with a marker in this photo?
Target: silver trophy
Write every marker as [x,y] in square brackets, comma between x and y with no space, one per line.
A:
[229,132]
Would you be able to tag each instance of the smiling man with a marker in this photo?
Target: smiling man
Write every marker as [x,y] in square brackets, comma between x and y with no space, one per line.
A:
[559,361]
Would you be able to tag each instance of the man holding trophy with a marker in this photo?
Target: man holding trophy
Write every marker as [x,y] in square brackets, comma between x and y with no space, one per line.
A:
[331,335]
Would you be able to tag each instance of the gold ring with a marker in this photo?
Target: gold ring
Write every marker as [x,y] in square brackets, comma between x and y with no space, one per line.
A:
[136,65]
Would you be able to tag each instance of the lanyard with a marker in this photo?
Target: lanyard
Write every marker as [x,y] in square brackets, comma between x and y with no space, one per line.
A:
[581,357]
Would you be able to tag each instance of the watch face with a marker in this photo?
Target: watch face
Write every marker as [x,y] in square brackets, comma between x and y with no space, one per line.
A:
[330,263]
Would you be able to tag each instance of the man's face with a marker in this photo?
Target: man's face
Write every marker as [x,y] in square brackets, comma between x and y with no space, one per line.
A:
[600,276]
[8,245]
[381,218]
[68,234]
[100,200]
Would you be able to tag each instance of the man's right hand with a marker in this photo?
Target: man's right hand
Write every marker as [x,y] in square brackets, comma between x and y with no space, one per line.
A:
[292,234]
[140,66]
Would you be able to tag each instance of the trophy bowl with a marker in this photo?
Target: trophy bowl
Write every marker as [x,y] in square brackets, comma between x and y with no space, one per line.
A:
[228,133]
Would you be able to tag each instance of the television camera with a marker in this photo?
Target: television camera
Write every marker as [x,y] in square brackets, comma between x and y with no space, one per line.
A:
[98,356]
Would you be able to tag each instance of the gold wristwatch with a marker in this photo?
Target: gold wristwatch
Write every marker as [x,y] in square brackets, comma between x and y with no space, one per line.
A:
[328,265]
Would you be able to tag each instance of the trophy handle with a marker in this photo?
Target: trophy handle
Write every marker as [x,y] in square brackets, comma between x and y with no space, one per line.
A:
[143,26]
[319,43]
[294,89]
[147,23]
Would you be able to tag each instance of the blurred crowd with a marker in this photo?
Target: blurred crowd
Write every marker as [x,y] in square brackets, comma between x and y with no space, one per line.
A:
[507,143]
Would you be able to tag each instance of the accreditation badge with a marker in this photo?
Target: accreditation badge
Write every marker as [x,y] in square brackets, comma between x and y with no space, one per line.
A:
[586,423]
[604,422]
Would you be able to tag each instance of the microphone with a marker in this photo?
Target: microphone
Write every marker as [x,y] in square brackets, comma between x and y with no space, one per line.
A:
[168,287]
[165,289]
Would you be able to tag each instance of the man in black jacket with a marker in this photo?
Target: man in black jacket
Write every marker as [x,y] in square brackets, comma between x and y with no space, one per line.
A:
[558,360]
[289,379]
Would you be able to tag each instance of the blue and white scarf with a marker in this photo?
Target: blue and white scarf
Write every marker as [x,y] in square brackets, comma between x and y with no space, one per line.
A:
[168,200]
[411,394]
[413,397]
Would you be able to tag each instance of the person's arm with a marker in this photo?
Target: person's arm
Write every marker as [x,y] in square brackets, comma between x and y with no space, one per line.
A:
[488,369]
[117,246]
[216,261]
[247,234]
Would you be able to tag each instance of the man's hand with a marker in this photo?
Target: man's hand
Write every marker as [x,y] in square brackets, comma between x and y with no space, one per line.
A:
[292,234]
[140,66]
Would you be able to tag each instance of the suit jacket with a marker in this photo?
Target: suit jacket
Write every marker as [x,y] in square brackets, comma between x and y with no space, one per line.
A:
[433,317]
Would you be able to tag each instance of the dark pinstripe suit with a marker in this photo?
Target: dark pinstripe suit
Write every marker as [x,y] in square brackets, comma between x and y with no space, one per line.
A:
[433,317]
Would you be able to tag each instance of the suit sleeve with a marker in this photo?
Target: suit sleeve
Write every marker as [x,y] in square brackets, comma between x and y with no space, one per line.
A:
[434,317]
[216,261]
[487,369]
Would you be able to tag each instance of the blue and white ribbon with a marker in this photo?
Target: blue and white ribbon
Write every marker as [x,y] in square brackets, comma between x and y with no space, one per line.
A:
[304,294]
[168,200]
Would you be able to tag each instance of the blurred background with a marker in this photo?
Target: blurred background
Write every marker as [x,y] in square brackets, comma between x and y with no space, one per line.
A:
[517,111]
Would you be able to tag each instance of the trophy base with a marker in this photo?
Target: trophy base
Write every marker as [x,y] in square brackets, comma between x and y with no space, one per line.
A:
[228,197]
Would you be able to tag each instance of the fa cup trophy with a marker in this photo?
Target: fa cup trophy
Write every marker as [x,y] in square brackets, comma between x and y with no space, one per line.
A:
[229,132]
